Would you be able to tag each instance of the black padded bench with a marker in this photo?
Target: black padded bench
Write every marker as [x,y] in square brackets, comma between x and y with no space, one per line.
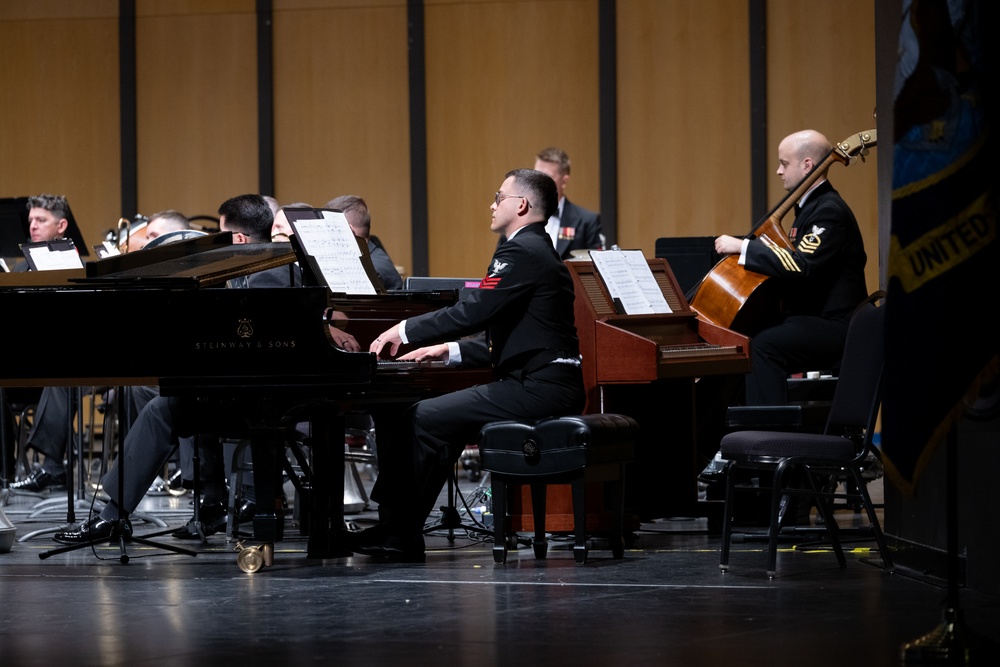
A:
[558,450]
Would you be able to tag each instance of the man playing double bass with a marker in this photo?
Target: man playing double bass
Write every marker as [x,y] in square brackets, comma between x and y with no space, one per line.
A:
[821,280]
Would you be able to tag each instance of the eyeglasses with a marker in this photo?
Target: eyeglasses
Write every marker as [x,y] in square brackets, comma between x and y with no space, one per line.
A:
[500,197]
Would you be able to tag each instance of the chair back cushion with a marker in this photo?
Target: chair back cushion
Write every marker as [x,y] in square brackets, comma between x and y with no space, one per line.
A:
[859,385]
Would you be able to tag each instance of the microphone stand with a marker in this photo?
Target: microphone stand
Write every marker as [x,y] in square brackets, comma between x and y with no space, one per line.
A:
[121,530]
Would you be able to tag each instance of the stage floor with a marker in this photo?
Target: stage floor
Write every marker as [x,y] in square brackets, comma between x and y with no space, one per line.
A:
[665,603]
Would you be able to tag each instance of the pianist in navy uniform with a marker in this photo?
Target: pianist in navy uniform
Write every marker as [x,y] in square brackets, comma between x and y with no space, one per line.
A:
[152,437]
[520,321]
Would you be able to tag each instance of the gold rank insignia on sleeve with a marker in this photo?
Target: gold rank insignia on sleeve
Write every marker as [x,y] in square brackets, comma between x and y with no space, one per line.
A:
[811,240]
[784,256]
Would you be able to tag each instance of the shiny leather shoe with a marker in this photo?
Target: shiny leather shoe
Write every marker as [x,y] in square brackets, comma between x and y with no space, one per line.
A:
[94,529]
[39,480]
[391,548]
[213,520]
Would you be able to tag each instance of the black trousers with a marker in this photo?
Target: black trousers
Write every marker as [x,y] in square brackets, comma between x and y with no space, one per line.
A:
[417,450]
[800,343]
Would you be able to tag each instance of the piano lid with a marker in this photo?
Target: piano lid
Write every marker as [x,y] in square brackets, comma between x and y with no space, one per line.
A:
[198,262]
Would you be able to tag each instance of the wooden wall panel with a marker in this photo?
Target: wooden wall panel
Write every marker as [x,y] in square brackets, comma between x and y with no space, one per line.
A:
[59,121]
[196,107]
[683,120]
[504,80]
[821,75]
[341,110]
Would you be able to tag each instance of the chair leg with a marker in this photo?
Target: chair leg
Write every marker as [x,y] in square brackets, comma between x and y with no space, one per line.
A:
[866,500]
[774,523]
[540,545]
[499,492]
[358,484]
[579,486]
[616,496]
[825,506]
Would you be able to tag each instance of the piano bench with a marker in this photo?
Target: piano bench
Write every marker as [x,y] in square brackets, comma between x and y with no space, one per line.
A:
[573,450]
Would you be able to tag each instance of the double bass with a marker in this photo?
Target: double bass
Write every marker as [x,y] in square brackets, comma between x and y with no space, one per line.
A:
[729,295]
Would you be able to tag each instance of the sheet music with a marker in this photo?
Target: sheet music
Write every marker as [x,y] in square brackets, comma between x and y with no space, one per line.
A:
[331,242]
[630,281]
[106,249]
[52,255]
[639,268]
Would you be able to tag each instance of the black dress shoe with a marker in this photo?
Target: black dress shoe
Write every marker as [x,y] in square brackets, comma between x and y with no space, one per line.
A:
[94,529]
[392,548]
[212,518]
[38,480]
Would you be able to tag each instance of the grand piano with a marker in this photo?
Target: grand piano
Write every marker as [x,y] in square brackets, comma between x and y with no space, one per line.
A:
[648,367]
[257,360]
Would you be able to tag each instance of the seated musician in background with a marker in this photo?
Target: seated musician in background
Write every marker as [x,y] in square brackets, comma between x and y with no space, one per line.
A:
[273,205]
[571,227]
[47,221]
[355,210]
[159,224]
[49,435]
[153,437]
[280,229]
[50,426]
[821,281]
[525,307]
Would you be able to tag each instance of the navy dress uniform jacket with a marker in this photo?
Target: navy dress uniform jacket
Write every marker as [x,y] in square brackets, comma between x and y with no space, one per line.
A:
[524,305]
[825,274]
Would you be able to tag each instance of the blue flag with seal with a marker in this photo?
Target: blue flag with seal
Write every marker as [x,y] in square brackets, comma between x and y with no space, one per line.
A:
[944,257]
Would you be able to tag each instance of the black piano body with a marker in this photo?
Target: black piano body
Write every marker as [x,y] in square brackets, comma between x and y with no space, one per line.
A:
[252,363]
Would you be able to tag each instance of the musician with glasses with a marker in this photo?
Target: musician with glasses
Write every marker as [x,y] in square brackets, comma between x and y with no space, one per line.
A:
[520,321]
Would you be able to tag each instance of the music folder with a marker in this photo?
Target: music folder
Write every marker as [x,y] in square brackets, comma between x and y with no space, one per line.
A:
[51,255]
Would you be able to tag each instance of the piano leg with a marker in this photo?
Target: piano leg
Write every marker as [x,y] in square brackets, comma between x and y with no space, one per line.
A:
[327,535]
[324,497]
[268,448]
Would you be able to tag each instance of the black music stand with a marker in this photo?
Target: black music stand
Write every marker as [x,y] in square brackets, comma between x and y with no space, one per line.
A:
[118,531]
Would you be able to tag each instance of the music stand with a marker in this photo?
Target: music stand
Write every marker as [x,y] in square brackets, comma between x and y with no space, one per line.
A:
[118,530]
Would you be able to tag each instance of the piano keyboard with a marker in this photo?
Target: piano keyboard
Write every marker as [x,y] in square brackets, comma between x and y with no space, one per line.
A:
[700,350]
[391,365]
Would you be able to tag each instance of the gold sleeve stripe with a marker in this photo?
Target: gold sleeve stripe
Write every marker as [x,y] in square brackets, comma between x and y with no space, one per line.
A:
[783,255]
